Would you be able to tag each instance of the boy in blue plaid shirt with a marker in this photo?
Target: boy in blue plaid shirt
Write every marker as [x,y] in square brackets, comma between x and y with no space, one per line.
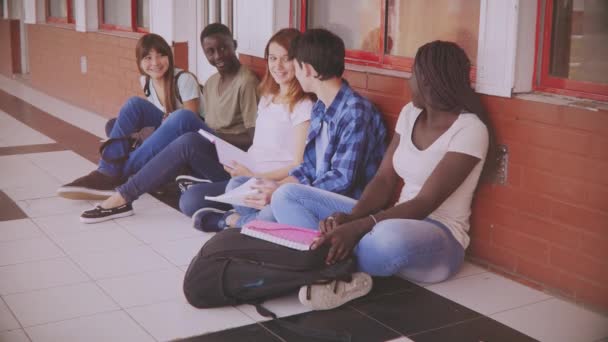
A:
[346,138]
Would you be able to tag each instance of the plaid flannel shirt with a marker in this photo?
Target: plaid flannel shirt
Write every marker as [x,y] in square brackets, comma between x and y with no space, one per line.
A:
[356,145]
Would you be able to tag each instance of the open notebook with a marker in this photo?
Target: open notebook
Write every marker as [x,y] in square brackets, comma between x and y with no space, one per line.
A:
[228,153]
[281,234]
[237,195]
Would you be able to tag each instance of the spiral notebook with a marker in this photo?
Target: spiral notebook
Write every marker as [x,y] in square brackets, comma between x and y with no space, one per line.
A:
[281,234]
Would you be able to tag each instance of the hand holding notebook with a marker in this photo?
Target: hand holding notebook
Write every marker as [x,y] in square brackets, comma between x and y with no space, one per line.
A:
[228,153]
[281,234]
[237,195]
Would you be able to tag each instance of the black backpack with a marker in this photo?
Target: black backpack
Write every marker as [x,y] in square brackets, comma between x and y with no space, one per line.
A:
[233,268]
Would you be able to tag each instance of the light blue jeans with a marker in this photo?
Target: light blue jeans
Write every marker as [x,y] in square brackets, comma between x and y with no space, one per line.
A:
[136,114]
[248,214]
[421,250]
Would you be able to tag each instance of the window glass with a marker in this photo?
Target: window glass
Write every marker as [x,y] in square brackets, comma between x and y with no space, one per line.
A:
[579,40]
[117,12]
[143,13]
[413,23]
[1,8]
[58,8]
[357,22]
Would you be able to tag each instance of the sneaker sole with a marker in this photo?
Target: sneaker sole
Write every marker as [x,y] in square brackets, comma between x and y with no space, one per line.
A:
[84,193]
[106,218]
[319,302]
[194,224]
[191,178]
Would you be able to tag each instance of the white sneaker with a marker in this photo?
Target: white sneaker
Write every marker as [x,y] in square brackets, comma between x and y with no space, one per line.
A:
[335,293]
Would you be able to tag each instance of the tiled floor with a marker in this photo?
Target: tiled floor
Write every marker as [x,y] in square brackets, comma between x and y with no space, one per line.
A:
[121,280]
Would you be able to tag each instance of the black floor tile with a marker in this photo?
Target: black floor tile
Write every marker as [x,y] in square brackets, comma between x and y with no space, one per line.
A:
[358,326]
[9,210]
[481,329]
[249,333]
[414,311]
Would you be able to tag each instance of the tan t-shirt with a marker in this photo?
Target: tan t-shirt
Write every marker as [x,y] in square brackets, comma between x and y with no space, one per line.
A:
[235,110]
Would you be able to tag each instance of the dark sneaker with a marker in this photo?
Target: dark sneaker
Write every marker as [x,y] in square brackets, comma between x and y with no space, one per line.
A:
[333,294]
[99,214]
[186,181]
[210,219]
[94,186]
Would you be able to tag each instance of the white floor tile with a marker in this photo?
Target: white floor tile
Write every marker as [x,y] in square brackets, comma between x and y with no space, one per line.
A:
[18,171]
[40,188]
[556,320]
[177,319]
[15,133]
[69,224]
[19,230]
[59,303]
[121,262]
[63,165]
[282,307]
[114,326]
[159,226]
[14,336]
[39,275]
[181,252]
[469,269]
[40,207]
[7,320]
[146,202]
[14,252]
[96,241]
[145,288]
[488,293]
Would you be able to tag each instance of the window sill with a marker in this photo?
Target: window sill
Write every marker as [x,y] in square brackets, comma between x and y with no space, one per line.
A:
[563,100]
[378,70]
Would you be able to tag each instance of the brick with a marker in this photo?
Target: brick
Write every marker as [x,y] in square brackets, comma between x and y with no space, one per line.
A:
[544,183]
[581,168]
[532,111]
[245,59]
[595,246]
[546,136]
[387,104]
[572,262]
[544,229]
[594,294]
[356,79]
[599,147]
[596,197]
[388,85]
[495,106]
[493,254]
[521,244]
[585,119]
[538,271]
[591,221]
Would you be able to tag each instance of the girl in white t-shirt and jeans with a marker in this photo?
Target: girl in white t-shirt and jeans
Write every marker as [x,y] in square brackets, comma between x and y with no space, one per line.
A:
[441,143]
[278,145]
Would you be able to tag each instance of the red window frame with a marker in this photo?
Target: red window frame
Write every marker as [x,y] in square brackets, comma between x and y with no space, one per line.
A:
[112,27]
[548,83]
[69,19]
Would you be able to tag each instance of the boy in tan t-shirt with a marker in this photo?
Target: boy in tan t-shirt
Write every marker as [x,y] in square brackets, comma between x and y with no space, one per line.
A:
[230,97]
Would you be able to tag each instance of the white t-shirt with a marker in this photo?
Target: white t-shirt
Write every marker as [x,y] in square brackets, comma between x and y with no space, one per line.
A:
[467,135]
[188,90]
[274,140]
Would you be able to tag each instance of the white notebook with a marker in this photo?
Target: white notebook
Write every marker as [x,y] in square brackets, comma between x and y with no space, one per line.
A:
[228,153]
[237,195]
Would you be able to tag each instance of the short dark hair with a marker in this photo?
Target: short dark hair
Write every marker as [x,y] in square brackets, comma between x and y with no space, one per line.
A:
[215,28]
[322,49]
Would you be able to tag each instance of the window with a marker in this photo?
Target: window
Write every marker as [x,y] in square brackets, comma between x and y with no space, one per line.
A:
[60,11]
[1,9]
[389,32]
[573,48]
[124,15]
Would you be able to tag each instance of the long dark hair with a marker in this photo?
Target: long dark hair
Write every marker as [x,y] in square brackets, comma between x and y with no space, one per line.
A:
[269,86]
[157,43]
[443,73]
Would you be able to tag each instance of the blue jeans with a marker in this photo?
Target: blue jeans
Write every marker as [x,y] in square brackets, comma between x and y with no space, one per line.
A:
[421,250]
[136,114]
[249,214]
[190,150]
[194,199]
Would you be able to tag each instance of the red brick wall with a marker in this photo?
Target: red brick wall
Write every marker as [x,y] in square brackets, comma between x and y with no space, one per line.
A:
[548,227]
[10,54]
[111,78]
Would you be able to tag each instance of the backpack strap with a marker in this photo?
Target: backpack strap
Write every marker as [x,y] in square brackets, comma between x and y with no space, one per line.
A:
[147,86]
[177,94]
